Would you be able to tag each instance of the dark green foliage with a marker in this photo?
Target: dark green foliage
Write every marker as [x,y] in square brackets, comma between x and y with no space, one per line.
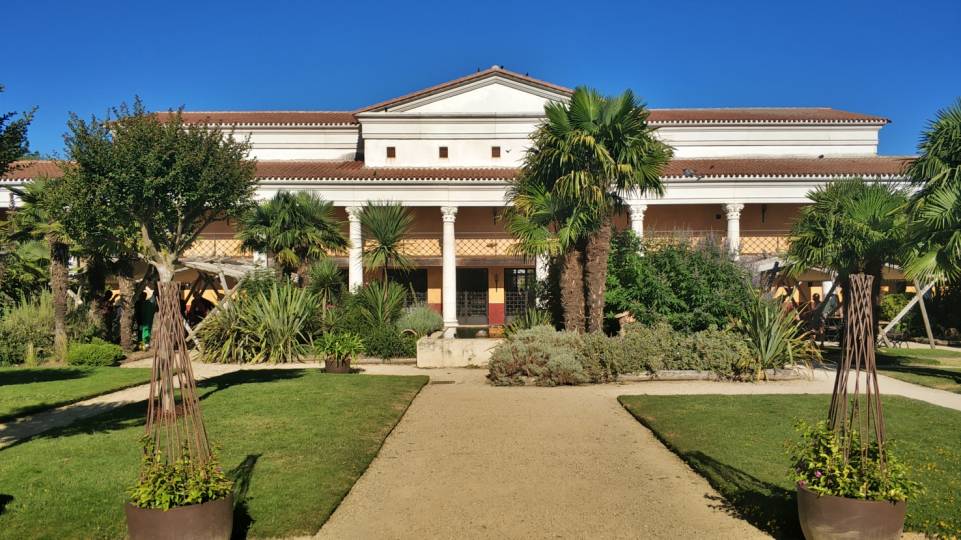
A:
[387,341]
[381,302]
[96,353]
[339,348]
[165,485]
[13,137]
[24,270]
[690,288]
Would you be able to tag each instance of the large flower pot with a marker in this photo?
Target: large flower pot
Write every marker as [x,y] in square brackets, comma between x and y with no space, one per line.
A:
[337,367]
[212,520]
[825,517]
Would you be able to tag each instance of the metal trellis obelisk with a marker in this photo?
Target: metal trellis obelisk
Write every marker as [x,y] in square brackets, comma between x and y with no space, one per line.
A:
[858,413]
[174,421]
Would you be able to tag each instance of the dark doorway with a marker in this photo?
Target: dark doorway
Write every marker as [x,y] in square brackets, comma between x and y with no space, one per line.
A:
[519,292]
[414,282]
[472,296]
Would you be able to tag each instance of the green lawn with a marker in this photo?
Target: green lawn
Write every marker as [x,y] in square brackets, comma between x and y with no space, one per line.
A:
[26,390]
[296,439]
[739,444]
[935,368]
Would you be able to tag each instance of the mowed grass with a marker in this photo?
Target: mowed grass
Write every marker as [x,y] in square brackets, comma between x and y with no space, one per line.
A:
[934,368]
[296,440]
[26,390]
[739,443]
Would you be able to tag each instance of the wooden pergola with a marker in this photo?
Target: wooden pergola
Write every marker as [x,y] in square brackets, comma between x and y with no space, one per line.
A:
[208,275]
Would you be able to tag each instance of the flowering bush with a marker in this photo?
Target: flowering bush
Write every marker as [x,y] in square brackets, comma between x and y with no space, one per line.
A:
[821,467]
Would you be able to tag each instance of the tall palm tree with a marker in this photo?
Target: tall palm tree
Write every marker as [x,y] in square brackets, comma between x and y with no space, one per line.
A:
[936,207]
[545,224]
[34,221]
[386,225]
[852,226]
[293,229]
[593,151]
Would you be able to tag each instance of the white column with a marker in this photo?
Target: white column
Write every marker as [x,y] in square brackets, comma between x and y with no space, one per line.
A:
[733,211]
[541,267]
[355,257]
[260,258]
[449,292]
[637,211]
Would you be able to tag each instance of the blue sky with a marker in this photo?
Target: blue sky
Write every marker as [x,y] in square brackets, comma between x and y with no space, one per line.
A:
[898,59]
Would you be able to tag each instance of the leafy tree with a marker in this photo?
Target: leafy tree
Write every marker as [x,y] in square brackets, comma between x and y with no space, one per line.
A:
[293,229]
[692,288]
[852,226]
[386,225]
[13,137]
[592,151]
[36,220]
[24,269]
[936,207]
[147,183]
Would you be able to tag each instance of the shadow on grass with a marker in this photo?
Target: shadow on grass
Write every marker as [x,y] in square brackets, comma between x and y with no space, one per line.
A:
[950,375]
[4,501]
[767,506]
[242,475]
[107,417]
[29,375]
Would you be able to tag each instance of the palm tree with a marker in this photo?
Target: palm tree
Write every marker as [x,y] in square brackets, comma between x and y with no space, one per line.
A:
[293,229]
[34,221]
[851,227]
[544,224]
[936,207]
[325,280]
[593,151]
[386,225]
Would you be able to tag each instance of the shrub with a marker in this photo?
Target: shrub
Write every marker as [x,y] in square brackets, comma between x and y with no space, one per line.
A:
[421,320]
[387,342]
[96,353]
[170,485]
[720,351]
[26,331]
[821,466]
[540,355]
[341,348]
[532,317]
[275,326]
[775,338]
[649,348]
[690,287]
[260,281]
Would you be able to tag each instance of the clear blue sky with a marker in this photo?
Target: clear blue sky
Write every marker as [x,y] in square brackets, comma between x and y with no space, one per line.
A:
[895,58]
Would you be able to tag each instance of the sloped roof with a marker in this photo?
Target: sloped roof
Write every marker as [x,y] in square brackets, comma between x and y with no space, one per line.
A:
[272,118]
[762,115]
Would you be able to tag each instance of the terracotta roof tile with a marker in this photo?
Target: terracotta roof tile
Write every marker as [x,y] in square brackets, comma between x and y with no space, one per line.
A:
[273,118]
[884,166]
[785,115]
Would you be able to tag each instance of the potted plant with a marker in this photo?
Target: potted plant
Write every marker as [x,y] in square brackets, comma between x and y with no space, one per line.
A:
[849,485]
[839,495]
[183,499]
[339,349]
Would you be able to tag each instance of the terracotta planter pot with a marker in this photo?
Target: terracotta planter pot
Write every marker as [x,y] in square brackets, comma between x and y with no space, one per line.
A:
[337,367]
[212,520]
[827,517]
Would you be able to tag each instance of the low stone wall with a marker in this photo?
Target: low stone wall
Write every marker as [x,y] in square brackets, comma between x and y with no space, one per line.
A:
[439,352]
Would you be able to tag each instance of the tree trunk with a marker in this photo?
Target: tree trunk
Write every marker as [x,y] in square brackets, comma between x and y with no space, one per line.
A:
[97,283]
[572,291]
[126,307]
[59,274]
[595,275]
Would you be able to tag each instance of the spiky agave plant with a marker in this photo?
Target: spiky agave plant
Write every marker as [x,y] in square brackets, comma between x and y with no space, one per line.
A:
[776,338]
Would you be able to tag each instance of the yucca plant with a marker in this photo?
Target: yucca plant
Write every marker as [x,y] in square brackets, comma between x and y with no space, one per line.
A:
[274,326]
[386,225]
[775,337]
[381,302]
[325,280]
[531,318]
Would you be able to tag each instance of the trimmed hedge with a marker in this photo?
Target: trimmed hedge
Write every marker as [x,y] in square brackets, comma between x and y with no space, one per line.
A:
[95,353]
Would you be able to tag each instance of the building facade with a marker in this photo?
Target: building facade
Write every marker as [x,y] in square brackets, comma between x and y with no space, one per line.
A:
[447,152]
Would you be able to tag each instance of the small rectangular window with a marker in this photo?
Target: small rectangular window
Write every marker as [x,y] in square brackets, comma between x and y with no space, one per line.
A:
[442,152]
[391,151]
[495,151]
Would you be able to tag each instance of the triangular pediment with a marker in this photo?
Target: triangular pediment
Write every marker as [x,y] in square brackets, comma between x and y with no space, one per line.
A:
[493,91]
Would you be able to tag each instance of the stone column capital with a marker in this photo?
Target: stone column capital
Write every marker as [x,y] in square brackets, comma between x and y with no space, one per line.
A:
[448,213]
[637,208]
[354,212]
[733,210]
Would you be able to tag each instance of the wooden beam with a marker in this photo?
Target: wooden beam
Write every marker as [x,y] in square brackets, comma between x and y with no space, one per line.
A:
[924,314]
